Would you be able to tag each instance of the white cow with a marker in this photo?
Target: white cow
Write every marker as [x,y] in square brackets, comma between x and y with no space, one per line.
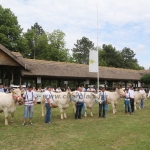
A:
[137,98]
[89,100]
[8,103]
[113,98]
[61,100]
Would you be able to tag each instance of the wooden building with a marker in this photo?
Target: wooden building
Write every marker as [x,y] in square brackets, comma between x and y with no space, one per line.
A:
[13,67]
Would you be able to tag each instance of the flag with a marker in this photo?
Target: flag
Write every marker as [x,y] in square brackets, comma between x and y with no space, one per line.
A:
[93,61]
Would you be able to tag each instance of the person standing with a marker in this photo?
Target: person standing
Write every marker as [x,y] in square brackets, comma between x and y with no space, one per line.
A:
[29,98]
[131,96]
[58,90]
[142,102]
[102,105]
[48,104]
[79,104]
[127,102]
[1,88]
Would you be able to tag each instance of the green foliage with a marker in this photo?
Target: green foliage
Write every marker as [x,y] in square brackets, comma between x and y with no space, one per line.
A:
[57,50]
[10,30]
[37,42]
[128,59]
[81,50]
[146,79]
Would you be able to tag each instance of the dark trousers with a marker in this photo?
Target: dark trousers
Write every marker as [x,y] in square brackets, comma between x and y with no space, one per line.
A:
[102,109]
[132,104]
[79,106]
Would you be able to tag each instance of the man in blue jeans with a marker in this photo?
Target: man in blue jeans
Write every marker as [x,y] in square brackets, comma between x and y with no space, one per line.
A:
[48,104]
[102,106]
[79,103]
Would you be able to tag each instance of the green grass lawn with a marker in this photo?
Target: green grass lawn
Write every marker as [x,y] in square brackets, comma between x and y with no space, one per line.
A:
[118,131]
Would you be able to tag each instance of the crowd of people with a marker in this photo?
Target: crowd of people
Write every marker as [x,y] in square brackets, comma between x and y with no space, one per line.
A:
[29,98]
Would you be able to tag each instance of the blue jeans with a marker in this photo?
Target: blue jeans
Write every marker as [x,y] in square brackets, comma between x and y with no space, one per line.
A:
[48,113]
[28,111]
[127,106]
[79,106]
[102,109]
[142,103]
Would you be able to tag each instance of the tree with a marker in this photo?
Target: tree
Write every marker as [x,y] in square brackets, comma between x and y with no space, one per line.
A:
[10,30]
[146,79]
[129,60]
[37,41]
[110,56]
[81,50]
[56,50]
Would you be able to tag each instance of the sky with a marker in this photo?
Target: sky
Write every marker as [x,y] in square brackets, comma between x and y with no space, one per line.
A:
[122,23]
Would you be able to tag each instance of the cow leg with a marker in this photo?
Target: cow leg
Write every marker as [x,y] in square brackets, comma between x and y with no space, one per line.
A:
[113,107]
[43,110]
[65,116]
[74,107]
[91,112]
[6,116]
[135,106]
[61,112]
[85,114]
[12,117]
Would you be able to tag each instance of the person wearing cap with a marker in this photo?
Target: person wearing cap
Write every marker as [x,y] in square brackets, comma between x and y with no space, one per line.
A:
[131,96]
[48,104]
[142,102]
[127,102]
[29,98]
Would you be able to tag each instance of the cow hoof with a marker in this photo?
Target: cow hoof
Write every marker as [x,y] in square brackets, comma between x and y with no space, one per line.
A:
[12,121]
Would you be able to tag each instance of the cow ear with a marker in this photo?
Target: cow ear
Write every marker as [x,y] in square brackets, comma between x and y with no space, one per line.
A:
[12,91]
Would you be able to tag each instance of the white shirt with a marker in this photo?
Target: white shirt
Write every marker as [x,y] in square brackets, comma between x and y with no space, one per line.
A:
[83,89]
[79,97]
[48,95]
[141,91]
[127,95]
[131,93]
[29,97]
[58,90]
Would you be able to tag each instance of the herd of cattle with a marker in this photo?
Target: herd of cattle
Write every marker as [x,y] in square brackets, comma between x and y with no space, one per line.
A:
[8,102]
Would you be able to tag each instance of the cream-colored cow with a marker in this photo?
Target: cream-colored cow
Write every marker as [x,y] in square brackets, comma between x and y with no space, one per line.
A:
[61,100]
[8,103]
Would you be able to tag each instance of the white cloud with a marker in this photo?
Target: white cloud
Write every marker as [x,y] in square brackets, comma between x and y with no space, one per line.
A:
[121,23]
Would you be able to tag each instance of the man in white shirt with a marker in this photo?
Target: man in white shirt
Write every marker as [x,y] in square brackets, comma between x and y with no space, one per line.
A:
[102,106]
[58,90]
[142,102]
[79,103]
[29,98]
[48,104]
[131,96]
[83,89]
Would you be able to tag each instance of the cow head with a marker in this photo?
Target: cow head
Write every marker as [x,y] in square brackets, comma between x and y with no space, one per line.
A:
[16,94]
[73,96]
[97,97]
[120,91]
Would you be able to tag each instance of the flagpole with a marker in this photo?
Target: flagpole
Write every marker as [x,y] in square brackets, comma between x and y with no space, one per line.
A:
[97,52]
